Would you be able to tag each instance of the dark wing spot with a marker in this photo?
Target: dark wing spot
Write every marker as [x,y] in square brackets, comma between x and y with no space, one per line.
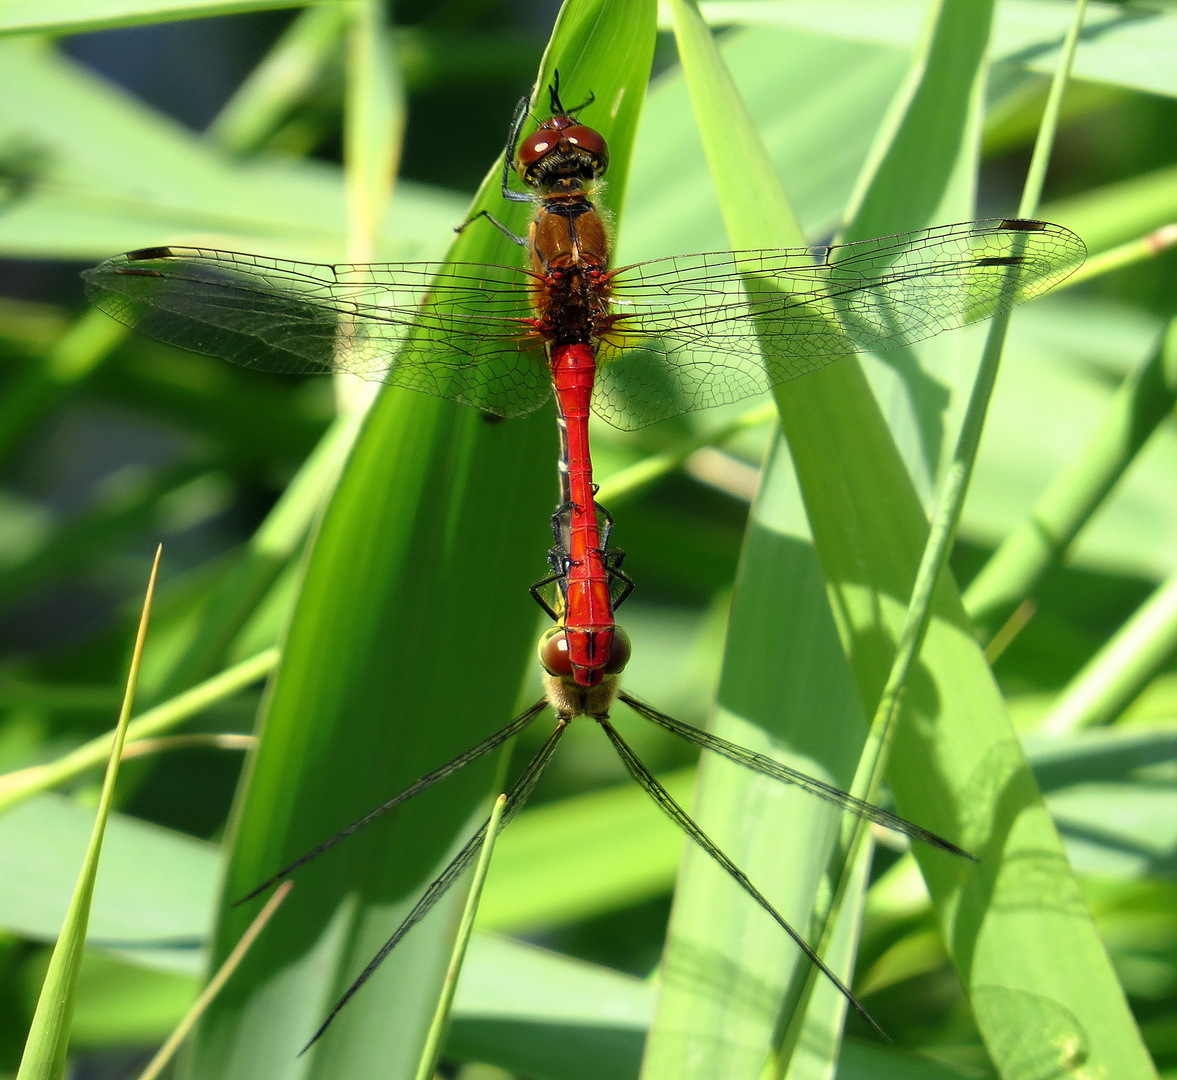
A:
[1001,260]
[1023,224]
[149,253]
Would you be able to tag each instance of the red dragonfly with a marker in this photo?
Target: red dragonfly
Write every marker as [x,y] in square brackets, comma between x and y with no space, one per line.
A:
[570,700]
[636,344]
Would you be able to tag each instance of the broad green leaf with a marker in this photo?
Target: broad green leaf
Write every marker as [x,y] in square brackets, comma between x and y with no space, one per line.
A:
[131,177]
[155,891]
[698,1030]
[406,646]
[1129,48]
[869,531]
[75,16]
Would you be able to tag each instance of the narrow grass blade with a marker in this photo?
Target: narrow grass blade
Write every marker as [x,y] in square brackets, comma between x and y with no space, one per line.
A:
[285,76]
[1121,669]
[166,1052]
[1038,977]
[374,124]
[18,786]
[1142,402]
[76,16]
[1148,246]
[44,1055]
[226,741]
[632,481]
[445,1004]
[237,597]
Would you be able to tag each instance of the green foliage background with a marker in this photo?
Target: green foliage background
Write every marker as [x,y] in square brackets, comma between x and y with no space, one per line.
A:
[408,632]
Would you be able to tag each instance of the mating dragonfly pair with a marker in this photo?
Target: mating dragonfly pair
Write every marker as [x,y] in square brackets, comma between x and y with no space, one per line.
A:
[635,344]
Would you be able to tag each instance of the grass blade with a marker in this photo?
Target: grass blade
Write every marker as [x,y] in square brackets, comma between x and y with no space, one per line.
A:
[445,1004]
[44,1055]
[1122,668]
[1143,400]
[166,1052]
[18,786]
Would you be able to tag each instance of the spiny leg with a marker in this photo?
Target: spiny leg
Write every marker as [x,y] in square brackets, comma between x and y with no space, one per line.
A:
[665,800]
[518,795]
[767,767]
[415,788]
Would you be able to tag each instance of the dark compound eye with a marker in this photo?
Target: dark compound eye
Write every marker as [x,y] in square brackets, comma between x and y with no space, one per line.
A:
[590,141]
[561,135]
[536,146]
[620,653]
[553,652]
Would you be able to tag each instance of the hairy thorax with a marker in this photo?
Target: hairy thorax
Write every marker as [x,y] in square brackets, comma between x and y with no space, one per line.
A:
[570,255]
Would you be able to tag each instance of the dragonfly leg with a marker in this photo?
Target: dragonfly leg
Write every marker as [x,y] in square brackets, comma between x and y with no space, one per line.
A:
[558,108]
[518,795]
[613,558]
[562,528]
[665,800]
[613,569]
[774,769]
[514,237]
[517,122]
[606,522]
[415,788]
[537,592]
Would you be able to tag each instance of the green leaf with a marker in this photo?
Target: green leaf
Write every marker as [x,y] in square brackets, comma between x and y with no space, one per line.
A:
[75,16]
[153,897]
[407,644]
[955,768]
[44,1056]
[1131,48]
[131,177]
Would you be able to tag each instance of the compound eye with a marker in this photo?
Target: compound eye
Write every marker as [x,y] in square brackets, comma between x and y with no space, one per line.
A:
[536,146]
[553,652]
[620,652]
[592,142]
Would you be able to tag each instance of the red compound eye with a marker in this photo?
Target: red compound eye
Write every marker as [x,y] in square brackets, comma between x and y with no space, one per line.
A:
[620,652]
[537,145]
[553,652]
[590,141]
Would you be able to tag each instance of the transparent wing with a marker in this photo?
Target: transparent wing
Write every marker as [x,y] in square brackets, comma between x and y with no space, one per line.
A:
[703,330]
[455,330]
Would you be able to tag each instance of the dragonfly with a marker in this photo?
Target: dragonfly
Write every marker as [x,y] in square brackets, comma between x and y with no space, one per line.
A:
[635,344]
[571,699]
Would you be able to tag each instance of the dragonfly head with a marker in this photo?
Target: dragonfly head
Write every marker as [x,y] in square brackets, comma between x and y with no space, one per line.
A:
[561,151]
[584,656]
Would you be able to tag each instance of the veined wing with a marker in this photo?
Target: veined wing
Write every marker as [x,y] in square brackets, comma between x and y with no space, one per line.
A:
[701,330]
[455,330]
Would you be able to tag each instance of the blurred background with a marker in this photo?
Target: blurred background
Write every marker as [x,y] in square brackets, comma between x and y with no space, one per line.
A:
[112,444]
